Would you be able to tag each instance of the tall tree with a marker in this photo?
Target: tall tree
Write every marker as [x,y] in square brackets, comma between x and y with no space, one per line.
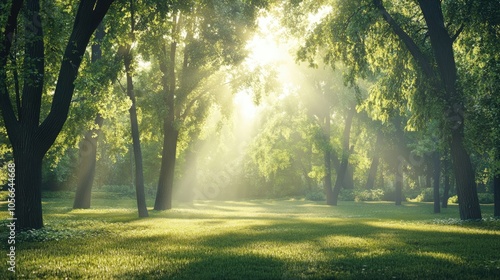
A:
[88,145]
[29,136]
[203,36]
[356,36]
[128,58]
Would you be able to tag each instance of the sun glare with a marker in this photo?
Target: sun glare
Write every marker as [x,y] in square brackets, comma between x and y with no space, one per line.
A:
[263,47]
[245,106]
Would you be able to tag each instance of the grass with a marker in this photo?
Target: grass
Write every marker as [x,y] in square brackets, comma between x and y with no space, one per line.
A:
[261,239]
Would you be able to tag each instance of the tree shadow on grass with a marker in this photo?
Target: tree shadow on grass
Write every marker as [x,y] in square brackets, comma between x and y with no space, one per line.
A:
[304,250]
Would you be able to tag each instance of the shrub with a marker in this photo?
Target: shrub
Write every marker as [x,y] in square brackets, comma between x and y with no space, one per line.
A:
[347,195]
[369,195]
[453,199]
[114,191]
[486,198]
[427,195]
[315,196]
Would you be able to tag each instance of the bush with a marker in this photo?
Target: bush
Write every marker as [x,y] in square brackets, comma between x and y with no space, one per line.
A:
[58,194]
[427,195]
[347,195]
[315,196]
[486,198]
[369,195]
[114,191]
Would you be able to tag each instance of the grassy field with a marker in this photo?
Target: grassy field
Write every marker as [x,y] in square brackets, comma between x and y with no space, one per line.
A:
[262,239]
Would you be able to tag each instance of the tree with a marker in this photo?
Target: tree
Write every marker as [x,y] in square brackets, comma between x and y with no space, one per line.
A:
[356,36]
[88,145]
[203,37]
[30,138]
[126,51]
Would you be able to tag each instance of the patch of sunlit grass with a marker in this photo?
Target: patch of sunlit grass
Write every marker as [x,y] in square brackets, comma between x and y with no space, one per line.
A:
[261,239]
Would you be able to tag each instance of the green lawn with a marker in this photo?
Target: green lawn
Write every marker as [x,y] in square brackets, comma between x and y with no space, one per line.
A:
[261,239]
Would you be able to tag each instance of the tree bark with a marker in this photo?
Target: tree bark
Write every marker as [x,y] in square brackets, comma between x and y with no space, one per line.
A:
[88,162]
[446,174]
[346,151]
[167,171]
[170,134]
[28,210]
[496,187]
[136,141]
[88,146]
[437,172]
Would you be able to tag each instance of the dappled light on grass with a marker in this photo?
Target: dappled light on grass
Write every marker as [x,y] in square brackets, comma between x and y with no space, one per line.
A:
[258,239]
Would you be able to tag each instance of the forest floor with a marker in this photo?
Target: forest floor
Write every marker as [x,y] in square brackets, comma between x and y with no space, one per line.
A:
[256,239]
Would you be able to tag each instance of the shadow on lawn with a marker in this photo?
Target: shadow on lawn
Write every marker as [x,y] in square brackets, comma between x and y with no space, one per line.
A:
[296,249]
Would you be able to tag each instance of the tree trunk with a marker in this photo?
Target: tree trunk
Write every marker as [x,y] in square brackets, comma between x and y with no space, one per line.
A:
[28,209]
[327,156]
[372,174]
[327,180]
[346,151]
[136,141]
[428,173]
[496,187]
[86,172]
[166,183]
[170,133]
[436,178]
[398,186]
[465,180]
[446,173]
[88,146]
[442,46]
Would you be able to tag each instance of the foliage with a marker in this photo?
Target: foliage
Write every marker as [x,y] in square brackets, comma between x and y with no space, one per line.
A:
[369,195]
[315,196]
[427,195]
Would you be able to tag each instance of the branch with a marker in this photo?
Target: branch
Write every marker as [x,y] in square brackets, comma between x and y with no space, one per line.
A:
[454,37]
[5,104]
[417,54]
[88,17]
